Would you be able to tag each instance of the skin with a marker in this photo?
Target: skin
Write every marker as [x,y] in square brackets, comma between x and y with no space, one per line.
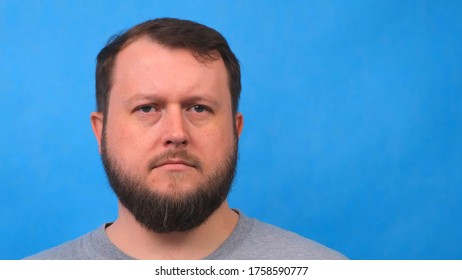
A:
[163,99]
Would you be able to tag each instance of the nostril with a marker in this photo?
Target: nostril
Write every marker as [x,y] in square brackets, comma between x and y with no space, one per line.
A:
[176,142]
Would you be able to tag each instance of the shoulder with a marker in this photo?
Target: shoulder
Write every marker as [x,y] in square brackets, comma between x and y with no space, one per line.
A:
[285,244]
[71,250]
[91,246]
[254,239]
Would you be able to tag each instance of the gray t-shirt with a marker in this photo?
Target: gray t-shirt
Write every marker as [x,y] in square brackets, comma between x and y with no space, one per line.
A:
[250,240]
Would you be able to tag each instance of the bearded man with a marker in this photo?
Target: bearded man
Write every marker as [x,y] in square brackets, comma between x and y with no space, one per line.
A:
[167,126]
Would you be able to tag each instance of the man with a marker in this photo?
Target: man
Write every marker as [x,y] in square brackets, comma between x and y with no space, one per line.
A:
[167,125]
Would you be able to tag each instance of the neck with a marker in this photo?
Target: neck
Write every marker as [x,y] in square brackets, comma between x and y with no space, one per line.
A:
[138,242]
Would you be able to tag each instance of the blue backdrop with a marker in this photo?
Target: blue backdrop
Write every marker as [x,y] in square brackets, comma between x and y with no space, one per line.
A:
[352,136]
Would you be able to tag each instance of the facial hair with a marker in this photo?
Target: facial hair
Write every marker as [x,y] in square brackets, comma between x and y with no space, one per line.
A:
[177,212]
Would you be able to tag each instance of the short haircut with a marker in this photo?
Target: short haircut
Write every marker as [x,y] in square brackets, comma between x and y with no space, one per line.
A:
[205,43]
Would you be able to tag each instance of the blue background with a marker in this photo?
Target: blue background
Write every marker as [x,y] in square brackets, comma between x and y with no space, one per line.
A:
[352,136]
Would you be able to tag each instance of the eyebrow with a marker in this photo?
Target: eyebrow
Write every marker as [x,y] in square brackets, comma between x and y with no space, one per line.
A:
[201,98]
[150,97]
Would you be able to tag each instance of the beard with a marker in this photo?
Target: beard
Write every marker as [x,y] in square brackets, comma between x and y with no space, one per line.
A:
[179,211]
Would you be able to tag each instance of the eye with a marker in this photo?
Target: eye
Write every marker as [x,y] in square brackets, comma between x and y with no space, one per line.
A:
[199,108]
[146,108]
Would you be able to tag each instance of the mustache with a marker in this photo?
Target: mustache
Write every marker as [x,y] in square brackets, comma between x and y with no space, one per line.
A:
[182,155]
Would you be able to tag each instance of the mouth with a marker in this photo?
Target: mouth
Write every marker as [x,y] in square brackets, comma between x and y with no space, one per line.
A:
[176,161]
[175,164]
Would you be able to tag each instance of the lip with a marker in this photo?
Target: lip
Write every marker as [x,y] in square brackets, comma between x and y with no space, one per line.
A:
[175,160]
[175,163]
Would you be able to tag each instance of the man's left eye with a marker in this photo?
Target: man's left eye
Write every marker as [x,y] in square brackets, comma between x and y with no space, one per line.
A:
[199,108]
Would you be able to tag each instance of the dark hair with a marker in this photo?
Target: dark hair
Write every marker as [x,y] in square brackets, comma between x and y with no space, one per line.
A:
[205,43]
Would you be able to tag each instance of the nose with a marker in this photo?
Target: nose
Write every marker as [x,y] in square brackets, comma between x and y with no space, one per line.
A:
[175,130]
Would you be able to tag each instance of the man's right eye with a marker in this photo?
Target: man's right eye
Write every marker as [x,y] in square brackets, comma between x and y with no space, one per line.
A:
[146,109]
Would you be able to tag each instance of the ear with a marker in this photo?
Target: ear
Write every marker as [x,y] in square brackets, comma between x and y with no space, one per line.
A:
[239,121]
[97,125]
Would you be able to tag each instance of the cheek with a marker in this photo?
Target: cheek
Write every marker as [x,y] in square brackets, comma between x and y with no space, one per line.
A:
[217,142]
[125,145]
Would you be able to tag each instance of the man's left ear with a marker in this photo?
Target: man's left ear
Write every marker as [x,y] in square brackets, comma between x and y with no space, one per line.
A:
[239,122]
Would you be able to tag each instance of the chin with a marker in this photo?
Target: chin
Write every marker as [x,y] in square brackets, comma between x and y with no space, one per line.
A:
[173,188]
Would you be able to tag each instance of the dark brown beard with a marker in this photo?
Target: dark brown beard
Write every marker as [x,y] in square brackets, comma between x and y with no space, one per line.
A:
[165,213]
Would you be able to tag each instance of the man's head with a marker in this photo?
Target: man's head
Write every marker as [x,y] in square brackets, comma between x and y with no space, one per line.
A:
[167,121]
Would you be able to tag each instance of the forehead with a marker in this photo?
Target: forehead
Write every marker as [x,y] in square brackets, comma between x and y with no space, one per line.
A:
[145,66]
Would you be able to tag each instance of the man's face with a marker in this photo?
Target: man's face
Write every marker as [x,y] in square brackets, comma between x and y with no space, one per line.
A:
[169,130]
